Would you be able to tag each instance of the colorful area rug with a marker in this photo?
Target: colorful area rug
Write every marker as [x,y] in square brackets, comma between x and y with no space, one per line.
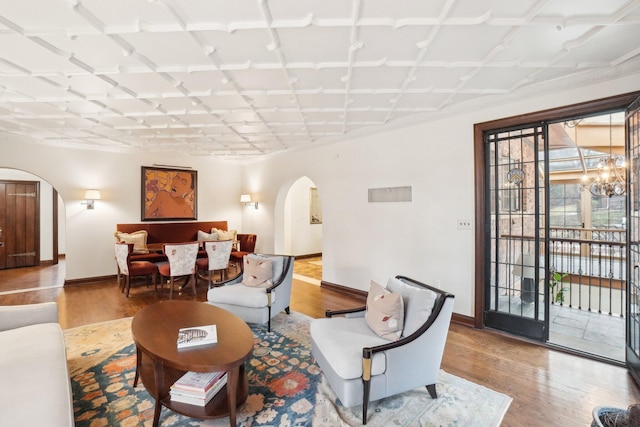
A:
[286,387]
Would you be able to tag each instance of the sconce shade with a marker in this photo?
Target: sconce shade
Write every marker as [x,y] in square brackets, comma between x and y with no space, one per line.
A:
[92,195]
[245,198]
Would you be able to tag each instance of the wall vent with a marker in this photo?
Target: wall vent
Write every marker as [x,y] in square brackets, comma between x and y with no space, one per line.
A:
[390,194]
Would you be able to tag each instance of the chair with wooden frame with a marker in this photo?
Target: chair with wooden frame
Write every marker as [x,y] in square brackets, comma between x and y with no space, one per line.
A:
[361,366]
[128,268]
[182,263]
[246,245]
[218,253]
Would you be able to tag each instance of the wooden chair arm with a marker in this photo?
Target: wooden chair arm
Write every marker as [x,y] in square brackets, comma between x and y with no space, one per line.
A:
[331,313]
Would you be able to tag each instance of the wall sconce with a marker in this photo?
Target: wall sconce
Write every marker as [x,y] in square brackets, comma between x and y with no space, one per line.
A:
[246,199]
[91,196]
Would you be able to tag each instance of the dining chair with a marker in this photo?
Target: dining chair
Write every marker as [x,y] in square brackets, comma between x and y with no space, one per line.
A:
[130,268]
[218,253]
[182,263]
[246,245]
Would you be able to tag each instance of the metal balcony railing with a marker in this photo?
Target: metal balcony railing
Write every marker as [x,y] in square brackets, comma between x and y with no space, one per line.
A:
[591,262]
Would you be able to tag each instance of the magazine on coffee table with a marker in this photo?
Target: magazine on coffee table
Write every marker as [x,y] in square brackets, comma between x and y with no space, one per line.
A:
[197,335]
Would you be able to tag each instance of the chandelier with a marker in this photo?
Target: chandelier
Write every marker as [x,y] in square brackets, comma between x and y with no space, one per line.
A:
[610,177]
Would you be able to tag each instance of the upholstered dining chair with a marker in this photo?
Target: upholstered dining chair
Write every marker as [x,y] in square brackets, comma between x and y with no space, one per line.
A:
[246,245]
[128,268]
[182,263]
[259,292]
[363,365]
[218,253]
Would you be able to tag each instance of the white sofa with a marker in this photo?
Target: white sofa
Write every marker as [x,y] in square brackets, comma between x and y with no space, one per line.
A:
[34,379]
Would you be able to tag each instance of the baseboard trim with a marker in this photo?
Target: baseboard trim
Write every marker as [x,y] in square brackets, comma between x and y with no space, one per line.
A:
[463,320]
[344,289]
[308,256]
[89,280]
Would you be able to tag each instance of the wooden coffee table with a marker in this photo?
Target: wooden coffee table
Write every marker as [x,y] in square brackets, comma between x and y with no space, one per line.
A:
[160,363]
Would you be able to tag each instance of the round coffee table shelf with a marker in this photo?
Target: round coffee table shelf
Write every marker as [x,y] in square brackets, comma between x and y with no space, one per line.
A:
[160,363]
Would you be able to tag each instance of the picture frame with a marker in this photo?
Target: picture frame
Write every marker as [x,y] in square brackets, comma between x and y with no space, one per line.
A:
[169,194]
[315,207]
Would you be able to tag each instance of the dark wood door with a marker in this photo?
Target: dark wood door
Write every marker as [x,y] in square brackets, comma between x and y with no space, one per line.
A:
[515,184]
[19,224]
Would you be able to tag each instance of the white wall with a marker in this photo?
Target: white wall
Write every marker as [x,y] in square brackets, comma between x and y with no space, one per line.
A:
[301,237]
[372,241]
[46,208]
[89,233]
[361,241]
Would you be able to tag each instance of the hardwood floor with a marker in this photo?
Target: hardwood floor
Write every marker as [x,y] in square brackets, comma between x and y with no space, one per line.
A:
[549,388]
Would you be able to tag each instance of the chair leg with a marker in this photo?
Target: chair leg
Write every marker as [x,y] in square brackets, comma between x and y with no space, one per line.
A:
[193,283]
[128,284]
[171,288]
[365,399]
[431,388]
[366,383]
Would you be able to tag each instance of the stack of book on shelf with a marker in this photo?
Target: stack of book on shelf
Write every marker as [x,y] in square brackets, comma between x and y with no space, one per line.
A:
[197,388]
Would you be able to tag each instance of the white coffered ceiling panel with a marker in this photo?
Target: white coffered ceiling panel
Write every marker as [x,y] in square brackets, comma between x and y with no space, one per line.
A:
[243,79]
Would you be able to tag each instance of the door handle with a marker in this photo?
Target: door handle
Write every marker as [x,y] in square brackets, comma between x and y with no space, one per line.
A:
[23,254]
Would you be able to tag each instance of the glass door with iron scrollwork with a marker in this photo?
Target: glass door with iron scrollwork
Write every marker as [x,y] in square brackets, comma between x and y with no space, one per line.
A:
[516,200]
[633,238]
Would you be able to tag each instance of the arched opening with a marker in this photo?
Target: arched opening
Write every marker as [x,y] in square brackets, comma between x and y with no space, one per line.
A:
[51,213]
[298,227]
[302,219]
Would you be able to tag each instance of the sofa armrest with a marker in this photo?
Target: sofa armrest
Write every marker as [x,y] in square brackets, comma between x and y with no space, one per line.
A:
[16,316]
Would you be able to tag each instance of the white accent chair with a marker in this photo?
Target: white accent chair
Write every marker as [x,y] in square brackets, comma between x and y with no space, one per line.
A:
[361,366]
[257,304]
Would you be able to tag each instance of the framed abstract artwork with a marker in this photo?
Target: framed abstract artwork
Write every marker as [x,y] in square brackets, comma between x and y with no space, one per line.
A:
[169,194]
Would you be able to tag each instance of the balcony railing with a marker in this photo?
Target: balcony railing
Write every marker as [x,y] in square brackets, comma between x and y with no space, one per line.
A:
[591,261]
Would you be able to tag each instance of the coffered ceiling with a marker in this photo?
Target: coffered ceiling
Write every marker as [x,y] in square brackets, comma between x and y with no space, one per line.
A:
[241,79]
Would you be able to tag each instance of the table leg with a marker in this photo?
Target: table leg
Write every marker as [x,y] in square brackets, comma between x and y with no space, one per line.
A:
[161,391]
[233,376]
[138,366]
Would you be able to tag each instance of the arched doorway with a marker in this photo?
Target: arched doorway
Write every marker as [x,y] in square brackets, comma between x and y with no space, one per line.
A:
[51,215]
[302,219]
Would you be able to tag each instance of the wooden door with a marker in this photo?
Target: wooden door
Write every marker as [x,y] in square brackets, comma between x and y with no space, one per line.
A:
[19,224]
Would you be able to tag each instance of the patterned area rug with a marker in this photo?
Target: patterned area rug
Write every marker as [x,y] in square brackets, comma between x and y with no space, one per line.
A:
[286,387]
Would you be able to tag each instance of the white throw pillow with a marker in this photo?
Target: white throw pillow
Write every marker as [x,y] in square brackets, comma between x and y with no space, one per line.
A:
[206,237]
[225,235]
[418,304]
[385,312]
[138,238]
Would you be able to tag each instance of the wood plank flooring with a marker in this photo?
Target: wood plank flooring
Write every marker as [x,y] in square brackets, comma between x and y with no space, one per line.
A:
[548,387]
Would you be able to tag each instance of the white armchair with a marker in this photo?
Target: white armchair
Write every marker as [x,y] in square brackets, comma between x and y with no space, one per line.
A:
[361,366]
[257,304]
